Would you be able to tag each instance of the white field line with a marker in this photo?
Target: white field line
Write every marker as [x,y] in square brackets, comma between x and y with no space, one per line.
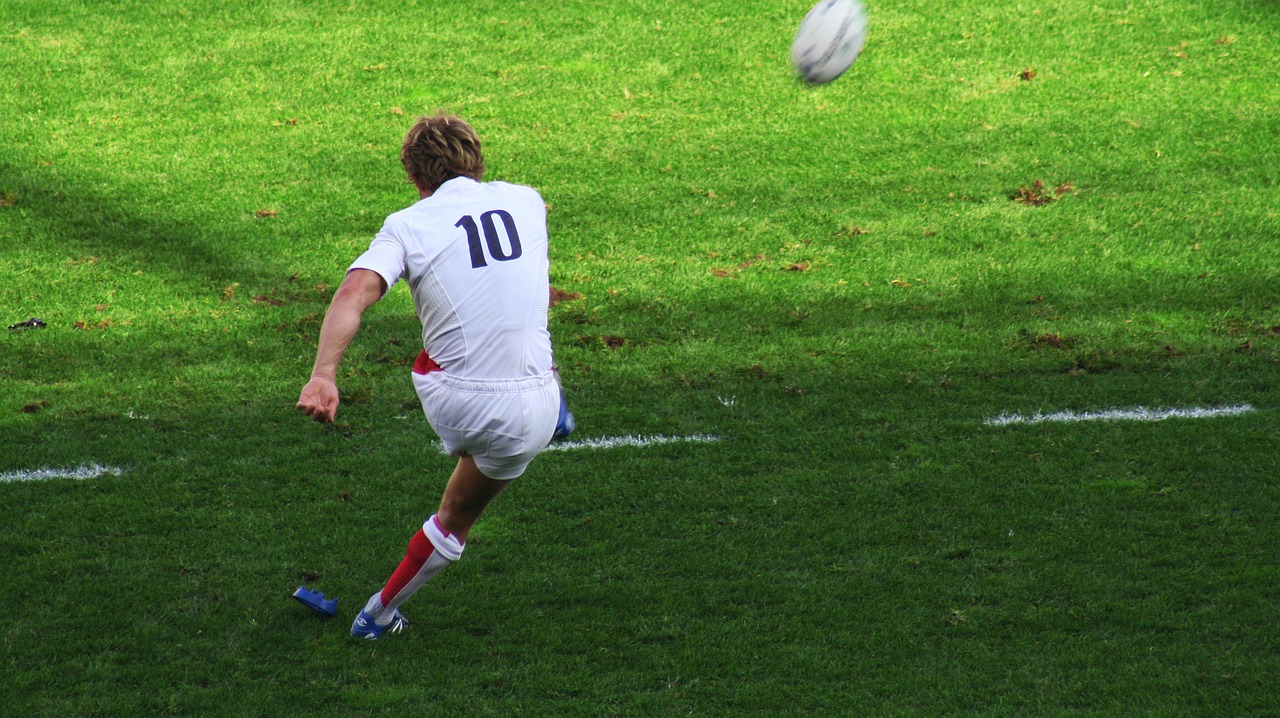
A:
[610,442]
[88,471]
[1135,414]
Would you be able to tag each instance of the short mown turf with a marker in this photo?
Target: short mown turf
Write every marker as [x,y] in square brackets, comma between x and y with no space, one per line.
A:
[1000,209]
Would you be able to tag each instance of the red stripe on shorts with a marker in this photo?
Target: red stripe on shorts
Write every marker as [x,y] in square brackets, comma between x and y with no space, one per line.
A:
[425,364]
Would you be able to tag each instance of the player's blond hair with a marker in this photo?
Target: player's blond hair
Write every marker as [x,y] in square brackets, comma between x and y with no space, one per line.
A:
[440,147]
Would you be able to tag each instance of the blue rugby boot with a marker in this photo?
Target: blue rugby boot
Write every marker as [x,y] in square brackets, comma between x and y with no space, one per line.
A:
[365,627]
[565,424]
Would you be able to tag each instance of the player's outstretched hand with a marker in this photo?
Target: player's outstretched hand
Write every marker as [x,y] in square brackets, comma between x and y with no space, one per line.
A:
[319,399]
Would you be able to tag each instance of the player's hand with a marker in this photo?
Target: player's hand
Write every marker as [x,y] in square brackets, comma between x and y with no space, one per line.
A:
[319,399]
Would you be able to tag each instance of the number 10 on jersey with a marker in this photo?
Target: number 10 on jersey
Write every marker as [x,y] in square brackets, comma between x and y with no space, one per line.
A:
[493,239]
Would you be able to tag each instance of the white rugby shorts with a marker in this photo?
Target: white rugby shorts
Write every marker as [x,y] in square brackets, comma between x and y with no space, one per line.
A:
[503,424]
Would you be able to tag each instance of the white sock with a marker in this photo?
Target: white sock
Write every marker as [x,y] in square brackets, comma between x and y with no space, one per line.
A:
[445,550]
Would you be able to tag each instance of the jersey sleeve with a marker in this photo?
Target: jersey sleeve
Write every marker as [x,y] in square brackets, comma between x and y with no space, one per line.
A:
[385,255]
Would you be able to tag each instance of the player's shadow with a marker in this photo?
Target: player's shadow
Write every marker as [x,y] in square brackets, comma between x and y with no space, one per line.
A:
[81,217]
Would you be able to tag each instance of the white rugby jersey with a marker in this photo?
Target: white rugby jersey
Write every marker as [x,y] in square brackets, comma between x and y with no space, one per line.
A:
[475,257]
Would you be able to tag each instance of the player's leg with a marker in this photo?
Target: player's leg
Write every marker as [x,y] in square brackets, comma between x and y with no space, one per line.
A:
[471,488]
[439,543]
[466,497]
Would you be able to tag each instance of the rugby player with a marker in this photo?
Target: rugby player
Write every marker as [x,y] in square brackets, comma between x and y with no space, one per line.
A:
[474,256]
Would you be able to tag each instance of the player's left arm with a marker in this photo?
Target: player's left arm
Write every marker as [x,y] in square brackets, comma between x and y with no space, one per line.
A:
[359,290]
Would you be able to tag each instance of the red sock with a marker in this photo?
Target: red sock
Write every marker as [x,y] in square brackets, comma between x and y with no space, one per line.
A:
[420,549]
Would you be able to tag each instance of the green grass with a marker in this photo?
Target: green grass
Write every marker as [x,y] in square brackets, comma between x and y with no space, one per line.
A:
[835,280]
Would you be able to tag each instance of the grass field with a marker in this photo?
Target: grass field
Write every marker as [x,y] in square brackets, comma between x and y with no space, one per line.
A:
[1001,209]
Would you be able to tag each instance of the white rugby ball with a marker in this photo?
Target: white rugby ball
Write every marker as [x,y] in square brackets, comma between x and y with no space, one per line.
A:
[829,40]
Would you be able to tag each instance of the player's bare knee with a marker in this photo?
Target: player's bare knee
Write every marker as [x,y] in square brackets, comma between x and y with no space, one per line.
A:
[458,517]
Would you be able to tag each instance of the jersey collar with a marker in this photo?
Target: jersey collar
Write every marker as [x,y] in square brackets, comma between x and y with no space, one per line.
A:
[455,185]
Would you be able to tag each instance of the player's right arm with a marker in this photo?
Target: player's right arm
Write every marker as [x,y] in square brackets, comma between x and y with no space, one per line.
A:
[359,290]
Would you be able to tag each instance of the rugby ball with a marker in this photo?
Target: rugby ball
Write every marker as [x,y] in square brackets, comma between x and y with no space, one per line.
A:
[829,40]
